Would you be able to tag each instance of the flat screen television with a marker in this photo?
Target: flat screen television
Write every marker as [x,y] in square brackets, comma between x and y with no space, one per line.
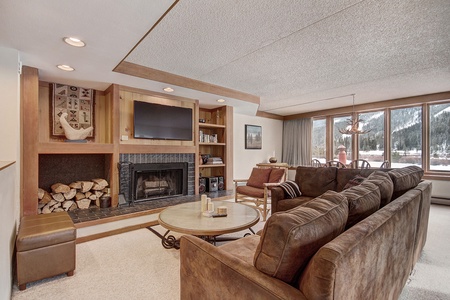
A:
[162,122]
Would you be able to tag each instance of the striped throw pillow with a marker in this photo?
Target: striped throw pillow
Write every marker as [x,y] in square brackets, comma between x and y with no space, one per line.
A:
[291,189]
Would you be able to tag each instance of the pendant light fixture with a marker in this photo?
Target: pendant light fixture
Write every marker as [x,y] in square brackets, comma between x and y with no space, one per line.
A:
[354,125]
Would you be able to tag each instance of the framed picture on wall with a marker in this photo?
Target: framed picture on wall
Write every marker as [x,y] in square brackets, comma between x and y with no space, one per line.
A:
[253,137]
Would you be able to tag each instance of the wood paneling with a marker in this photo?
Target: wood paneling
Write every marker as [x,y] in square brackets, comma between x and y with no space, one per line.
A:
[161,76]
[29,94]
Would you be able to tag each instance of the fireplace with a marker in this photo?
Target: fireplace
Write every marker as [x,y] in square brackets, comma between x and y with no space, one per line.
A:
[150,181]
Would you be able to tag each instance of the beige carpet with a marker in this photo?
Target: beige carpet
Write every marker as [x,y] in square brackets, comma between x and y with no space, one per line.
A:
[134,265]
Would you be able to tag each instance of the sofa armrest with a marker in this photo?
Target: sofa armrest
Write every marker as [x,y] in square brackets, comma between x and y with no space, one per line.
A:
[277,194]
[209,272]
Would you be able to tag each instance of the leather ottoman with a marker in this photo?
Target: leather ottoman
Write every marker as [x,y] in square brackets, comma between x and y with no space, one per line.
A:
[45,247]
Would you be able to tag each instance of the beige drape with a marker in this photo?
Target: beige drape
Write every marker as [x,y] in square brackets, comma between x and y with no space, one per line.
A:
[297,141]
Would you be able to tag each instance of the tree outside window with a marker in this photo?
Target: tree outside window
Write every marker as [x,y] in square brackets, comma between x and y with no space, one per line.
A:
[371,144]
[406,137]
[439,130]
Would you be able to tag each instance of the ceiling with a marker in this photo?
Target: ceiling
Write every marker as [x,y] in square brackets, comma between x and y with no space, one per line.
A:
[296,56]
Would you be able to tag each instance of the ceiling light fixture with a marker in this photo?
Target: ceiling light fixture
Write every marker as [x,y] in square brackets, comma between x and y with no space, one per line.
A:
[65,68]
[354,126]
[74,42]
[168,89]
[221,100]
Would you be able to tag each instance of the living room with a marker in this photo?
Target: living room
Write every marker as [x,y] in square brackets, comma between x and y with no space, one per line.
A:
[421,79]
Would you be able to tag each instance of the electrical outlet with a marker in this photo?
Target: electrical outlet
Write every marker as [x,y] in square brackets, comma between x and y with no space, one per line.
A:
[124,138]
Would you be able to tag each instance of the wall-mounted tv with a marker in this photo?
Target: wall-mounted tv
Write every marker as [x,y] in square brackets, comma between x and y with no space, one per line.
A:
[162,122]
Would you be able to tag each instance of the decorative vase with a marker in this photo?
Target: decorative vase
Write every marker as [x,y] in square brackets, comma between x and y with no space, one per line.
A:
[273,160]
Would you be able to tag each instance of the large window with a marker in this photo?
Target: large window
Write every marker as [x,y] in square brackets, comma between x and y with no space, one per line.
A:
[439,130]
[371,144]
[319,146]
[340,139]
[406,137]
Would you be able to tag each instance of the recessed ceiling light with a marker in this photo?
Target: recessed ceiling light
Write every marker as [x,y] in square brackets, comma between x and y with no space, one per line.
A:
[65,68]
[168,89]
[221,100]
[74,42]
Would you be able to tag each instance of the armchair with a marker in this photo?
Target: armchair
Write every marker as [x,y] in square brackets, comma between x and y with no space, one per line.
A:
[256,190]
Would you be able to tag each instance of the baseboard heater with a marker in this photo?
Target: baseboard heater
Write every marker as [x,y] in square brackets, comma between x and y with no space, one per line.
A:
[440,200]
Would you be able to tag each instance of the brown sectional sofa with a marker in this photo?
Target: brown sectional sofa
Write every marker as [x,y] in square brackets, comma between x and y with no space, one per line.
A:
[330,243]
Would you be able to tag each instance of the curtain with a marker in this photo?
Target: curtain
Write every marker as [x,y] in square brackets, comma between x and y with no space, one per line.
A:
[297,136]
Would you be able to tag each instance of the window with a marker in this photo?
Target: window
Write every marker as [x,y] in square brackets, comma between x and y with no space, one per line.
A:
[340,139]
[371,144]
[406,137]
[439,130]
[319,147]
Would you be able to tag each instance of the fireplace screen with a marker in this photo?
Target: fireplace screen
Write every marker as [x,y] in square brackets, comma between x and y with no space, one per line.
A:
[154,181]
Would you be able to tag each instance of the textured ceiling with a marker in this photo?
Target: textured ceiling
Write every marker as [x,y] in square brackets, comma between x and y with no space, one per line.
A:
[297,56]
[305,55]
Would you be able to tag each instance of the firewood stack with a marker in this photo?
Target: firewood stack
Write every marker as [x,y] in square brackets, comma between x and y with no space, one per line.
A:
[78,194]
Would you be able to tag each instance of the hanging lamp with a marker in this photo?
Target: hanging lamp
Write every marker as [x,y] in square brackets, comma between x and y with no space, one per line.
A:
[354,125]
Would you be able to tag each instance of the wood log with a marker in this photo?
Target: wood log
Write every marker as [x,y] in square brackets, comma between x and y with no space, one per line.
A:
[58,209]
[51,203]
[41,205]
[67,204]
[46,199]
[46,209]
[83,203]
[60,188]
[87,194]
[41,193]
[92,197]
[101,181]
[70,194]
[39,211]
[98,187]
[58,204]
[98,194]
[75,185]
[58,197]
[73,206]
[97,201]
[79,196]
[86,186]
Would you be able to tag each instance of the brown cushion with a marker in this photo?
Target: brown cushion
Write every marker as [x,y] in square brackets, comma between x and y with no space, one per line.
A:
[343,176]
[291,238]
[258,177]
[384,183]
[276,175]
[363,200]
[314,182]
[250,191]
[357,180]
[405,179]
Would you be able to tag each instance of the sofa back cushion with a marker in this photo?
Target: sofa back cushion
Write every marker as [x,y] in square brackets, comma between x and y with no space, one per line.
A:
[258,177]
[343,176]
[363,200]
[384,183]
[289,239]
[276,175]
[405,179]
[313,181]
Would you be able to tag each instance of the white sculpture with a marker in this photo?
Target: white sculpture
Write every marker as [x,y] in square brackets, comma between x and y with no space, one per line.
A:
[72,133]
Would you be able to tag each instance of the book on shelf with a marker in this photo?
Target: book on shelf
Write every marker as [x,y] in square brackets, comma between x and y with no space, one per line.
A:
[214,161]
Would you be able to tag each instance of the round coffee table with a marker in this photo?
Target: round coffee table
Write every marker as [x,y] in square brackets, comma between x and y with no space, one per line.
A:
[187,218]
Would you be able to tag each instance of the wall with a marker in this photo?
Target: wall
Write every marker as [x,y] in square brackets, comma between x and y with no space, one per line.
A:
[9,176]
[246,159]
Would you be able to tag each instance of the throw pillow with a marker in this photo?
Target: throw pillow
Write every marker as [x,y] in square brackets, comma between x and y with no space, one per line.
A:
[357,180]
[291,189]
[290,238]
[276,175]
[258,177]
[384,183]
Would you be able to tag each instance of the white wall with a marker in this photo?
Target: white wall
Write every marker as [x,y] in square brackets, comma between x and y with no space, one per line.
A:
[246,159]
[9,176]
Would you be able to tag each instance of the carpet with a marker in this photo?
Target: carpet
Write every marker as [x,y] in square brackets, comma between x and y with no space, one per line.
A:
[134,265]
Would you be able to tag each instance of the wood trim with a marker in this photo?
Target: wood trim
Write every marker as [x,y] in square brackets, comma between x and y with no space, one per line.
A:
[263,114]
[229,159]
[401,102]
[130,148]
[156,94]
[29,112]
[88,238]
[152,74]
[6,164]
[74,148]
[433,175]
